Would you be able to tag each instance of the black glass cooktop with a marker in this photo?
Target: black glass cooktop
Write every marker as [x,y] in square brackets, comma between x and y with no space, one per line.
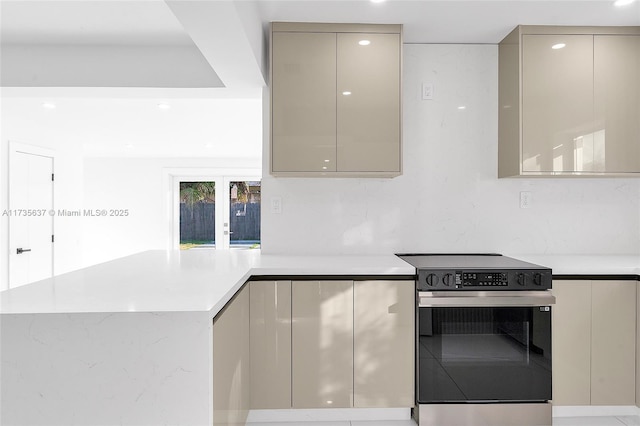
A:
[465,261]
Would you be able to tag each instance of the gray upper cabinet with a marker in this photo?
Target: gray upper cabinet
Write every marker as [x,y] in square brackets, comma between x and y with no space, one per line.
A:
[617,99]
[336,100]
[569,101]
[303,107]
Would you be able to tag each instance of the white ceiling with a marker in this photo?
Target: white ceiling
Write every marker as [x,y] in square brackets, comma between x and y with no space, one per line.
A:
[151,22]
[136,127]
[91,22]
[223,121]
[454,21]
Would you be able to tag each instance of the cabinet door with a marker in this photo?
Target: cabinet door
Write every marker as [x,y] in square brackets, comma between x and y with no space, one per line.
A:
[322,344]
[638,345]
[303,102]
[557,104]
[231,363]
[384,336]
[270,307]
[617,101]
[368,126]
[613,359]
[571,343]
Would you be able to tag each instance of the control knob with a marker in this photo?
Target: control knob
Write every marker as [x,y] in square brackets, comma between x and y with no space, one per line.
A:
[432,279]
[537,278]
[446,279]
[520,278]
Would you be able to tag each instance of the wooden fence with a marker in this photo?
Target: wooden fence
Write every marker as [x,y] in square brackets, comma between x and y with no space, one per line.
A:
[197,222]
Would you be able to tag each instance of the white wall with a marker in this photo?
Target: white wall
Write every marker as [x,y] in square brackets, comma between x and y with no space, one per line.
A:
[4,220]
[135,184]
[449,198]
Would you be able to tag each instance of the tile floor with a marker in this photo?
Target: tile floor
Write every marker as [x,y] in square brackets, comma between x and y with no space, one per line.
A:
[557,421]
[597,421]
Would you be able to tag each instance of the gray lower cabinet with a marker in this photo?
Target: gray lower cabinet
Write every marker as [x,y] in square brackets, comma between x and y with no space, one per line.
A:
[594,342]
[384,338]
[613,348]
[571,344]
[638,344]
[231,364]
[332,344]
[322,344]
[270,344]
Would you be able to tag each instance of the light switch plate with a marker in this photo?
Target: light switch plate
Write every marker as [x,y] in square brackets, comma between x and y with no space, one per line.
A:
[525,199]
[427,91]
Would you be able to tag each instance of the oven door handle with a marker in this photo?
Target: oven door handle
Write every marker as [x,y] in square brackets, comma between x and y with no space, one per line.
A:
[486,299]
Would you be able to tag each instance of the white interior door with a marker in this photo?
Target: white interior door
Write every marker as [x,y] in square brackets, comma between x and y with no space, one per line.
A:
[30,223]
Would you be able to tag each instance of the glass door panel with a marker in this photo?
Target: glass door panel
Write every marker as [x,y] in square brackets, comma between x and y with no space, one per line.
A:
[197,215]
[484,354]
[244,214]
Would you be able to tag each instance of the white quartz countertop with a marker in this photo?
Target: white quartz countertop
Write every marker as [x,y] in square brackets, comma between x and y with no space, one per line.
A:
[592,264]
[189,281]
[204,280]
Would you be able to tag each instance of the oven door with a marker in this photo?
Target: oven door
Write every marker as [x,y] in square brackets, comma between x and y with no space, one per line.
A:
[484,347]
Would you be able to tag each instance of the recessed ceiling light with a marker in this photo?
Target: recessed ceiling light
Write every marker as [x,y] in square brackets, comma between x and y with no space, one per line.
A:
[378,1]
[558,46]
[129,146]
[164,106]
[209,145]
[48,105]
[364,42]
[462,107]
[346,93]
[621,3]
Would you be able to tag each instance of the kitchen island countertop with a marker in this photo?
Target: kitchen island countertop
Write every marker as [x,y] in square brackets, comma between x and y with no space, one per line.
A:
[180,281]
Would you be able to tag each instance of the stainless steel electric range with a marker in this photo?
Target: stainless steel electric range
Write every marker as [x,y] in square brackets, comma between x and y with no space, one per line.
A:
[483,350]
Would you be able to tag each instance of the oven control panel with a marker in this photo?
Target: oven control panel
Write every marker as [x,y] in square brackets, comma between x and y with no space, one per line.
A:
[491,280]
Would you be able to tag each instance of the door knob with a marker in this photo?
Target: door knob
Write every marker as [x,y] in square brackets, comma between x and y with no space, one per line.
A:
[21,250]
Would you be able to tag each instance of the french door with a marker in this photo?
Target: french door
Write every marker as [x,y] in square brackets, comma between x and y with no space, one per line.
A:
[227,218]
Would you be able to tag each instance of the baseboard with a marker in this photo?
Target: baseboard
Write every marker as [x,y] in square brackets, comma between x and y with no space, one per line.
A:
[595,410]
[329,414]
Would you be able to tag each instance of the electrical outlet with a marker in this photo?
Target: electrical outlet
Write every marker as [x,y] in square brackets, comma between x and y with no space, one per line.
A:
[525,199]
[427,91]
[276,205]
